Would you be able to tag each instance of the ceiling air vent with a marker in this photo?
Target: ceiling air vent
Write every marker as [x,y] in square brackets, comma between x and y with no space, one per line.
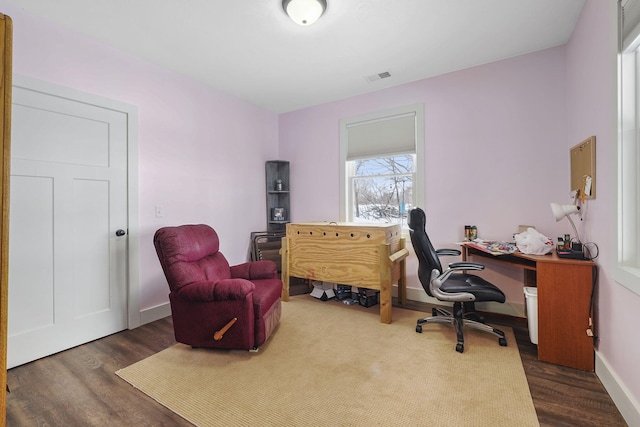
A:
[379,76]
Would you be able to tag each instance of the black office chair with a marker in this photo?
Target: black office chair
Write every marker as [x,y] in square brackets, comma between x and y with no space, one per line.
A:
[453,285]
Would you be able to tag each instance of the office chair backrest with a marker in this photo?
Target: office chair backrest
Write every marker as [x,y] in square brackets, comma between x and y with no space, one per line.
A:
[427,256]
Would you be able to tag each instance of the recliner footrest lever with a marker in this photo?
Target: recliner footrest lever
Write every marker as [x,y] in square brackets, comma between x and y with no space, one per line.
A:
[220,334]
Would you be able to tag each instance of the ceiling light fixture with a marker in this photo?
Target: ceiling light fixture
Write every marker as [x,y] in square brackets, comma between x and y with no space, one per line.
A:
[304,12]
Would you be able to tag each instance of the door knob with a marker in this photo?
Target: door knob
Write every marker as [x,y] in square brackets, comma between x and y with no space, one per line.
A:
[120,232]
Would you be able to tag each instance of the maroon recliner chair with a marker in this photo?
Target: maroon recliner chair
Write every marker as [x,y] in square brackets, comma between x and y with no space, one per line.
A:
[215,305]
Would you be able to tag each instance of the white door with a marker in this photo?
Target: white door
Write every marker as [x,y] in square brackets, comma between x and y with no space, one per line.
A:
[67,257]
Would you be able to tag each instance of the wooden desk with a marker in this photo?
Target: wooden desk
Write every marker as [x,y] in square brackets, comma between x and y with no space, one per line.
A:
[365,255]
[564,304]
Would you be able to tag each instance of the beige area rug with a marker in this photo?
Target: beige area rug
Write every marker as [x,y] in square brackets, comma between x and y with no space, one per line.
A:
[329,364]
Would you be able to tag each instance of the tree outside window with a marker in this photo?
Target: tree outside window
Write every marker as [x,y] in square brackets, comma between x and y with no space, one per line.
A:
[382,188]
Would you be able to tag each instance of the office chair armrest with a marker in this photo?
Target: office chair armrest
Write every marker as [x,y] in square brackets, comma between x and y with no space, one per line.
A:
[453,267]
[465,265]
[436,282]
[448,252]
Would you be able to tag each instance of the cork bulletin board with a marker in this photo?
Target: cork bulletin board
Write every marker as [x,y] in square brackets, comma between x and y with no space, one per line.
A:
[583,168]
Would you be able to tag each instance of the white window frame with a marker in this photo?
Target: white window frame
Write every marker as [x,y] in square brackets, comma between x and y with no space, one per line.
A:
[346,195]
[627,241]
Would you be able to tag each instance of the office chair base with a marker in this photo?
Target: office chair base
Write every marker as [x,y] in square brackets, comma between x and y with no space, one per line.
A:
[461,320]
[469,313]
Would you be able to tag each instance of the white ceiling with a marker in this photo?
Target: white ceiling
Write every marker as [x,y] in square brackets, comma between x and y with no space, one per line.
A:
[251,49]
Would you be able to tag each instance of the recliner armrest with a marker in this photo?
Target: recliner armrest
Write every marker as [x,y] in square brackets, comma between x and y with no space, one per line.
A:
[222,290]
[448,252]
[263,269]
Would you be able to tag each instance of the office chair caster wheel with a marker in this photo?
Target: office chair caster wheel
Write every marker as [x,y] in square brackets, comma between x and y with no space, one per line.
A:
[419,329]
[434,312]
[460,348]
[502,342]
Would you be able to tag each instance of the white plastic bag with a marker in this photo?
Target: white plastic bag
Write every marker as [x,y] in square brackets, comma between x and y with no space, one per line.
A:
[533,242]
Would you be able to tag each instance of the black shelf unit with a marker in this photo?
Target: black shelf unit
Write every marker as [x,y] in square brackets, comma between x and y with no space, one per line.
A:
[278,201]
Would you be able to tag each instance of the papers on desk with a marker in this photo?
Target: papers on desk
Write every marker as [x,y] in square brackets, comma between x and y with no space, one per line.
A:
[492,247]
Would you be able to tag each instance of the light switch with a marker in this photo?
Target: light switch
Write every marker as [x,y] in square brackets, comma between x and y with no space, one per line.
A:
[159,212]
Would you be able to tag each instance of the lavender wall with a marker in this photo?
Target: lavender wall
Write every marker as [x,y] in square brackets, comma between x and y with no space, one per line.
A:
[495,151]
[192,139]
[497,139]
[591,106]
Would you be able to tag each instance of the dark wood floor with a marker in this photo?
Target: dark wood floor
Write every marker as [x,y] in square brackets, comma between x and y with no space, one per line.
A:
[78,387]
[562,396]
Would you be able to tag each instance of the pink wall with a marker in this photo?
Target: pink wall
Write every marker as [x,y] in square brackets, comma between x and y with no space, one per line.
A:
[591,102]
[192,139]
[497,140]
[495,150]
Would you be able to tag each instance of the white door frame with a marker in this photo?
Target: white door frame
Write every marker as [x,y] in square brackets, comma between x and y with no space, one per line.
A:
[131,111]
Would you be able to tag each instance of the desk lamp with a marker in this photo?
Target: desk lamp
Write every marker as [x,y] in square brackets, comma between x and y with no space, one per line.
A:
[561,211]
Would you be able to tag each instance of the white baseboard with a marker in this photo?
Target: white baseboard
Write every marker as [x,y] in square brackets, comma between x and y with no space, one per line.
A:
[155,313]
[509,309]
[627,405]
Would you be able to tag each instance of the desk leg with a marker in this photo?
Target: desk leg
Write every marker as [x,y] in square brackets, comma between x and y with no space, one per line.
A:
[284,257]
[564,300]
[530,278]
[465,253]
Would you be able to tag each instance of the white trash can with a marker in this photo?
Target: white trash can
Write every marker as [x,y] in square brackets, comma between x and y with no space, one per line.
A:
[531,295]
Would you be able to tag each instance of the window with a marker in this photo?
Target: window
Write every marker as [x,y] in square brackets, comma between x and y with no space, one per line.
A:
[382,188]
[381,165]
[627,272]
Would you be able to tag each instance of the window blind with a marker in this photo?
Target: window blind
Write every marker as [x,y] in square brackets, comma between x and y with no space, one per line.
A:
[375,138]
